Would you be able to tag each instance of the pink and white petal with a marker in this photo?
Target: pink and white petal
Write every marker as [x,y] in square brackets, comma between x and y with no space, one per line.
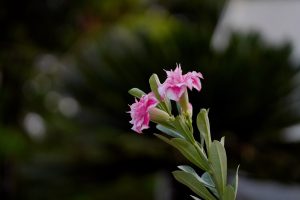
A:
[174,93]
[197,84]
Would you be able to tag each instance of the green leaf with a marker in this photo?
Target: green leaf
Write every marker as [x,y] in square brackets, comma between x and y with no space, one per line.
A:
[168,105]
[168,131]
[136,92]
[210,183]
[195,198]
[163,138]
[228,193]
[190,181]
[236,181]
[207,178]
[188,151]
[218,160]
[180,125]
[222,141]
[178,107]
[154,84]
[204,127]
[190,170]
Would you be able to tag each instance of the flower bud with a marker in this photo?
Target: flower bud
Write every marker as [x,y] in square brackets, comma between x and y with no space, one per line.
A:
[186,107]
[159,116]
[190,110]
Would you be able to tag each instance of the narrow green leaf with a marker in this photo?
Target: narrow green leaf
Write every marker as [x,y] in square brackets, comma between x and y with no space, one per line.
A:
[210,183]
[195,198]
[163,138]
[190,181]
[222,141]
[168,105]
[228,193]
[218,160]
[204,127]
[207,178]
[154,83]
[168,131]
[136,92]
[180,125]
[190,170]
[178,107]
[190,152]
[236,181]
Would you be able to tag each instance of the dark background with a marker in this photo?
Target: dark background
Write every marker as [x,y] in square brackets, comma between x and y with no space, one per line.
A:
[66,67]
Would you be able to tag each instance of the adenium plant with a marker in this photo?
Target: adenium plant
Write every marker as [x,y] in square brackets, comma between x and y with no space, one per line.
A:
[207,155]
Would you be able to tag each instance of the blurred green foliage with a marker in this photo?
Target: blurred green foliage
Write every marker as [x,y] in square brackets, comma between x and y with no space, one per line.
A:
[65,71]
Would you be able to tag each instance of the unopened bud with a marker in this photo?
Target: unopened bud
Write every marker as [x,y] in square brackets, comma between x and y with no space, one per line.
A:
[186,107]
[190,110]
[159,116]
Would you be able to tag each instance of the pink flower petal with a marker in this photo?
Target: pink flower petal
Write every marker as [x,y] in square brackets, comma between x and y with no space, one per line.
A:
[192,80]
[176,83]
[139,112]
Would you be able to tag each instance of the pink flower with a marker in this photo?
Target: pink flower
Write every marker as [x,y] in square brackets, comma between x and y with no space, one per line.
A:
[176,83]
[174,86]
[193,80]
[139,112]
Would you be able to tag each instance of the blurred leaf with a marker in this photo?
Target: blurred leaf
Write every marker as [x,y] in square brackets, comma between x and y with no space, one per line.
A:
[12,143]
[163,138]
[228,193]
[195,198]
[236,181]
[222,141]
[190,181]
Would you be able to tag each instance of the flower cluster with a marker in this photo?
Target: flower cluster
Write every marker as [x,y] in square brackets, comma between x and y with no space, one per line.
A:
[174,88]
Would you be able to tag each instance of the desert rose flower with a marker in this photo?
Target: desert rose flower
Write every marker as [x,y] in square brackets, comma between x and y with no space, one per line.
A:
[174,86]
[193,80]
[176,83]
[139,112]
[144,111]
